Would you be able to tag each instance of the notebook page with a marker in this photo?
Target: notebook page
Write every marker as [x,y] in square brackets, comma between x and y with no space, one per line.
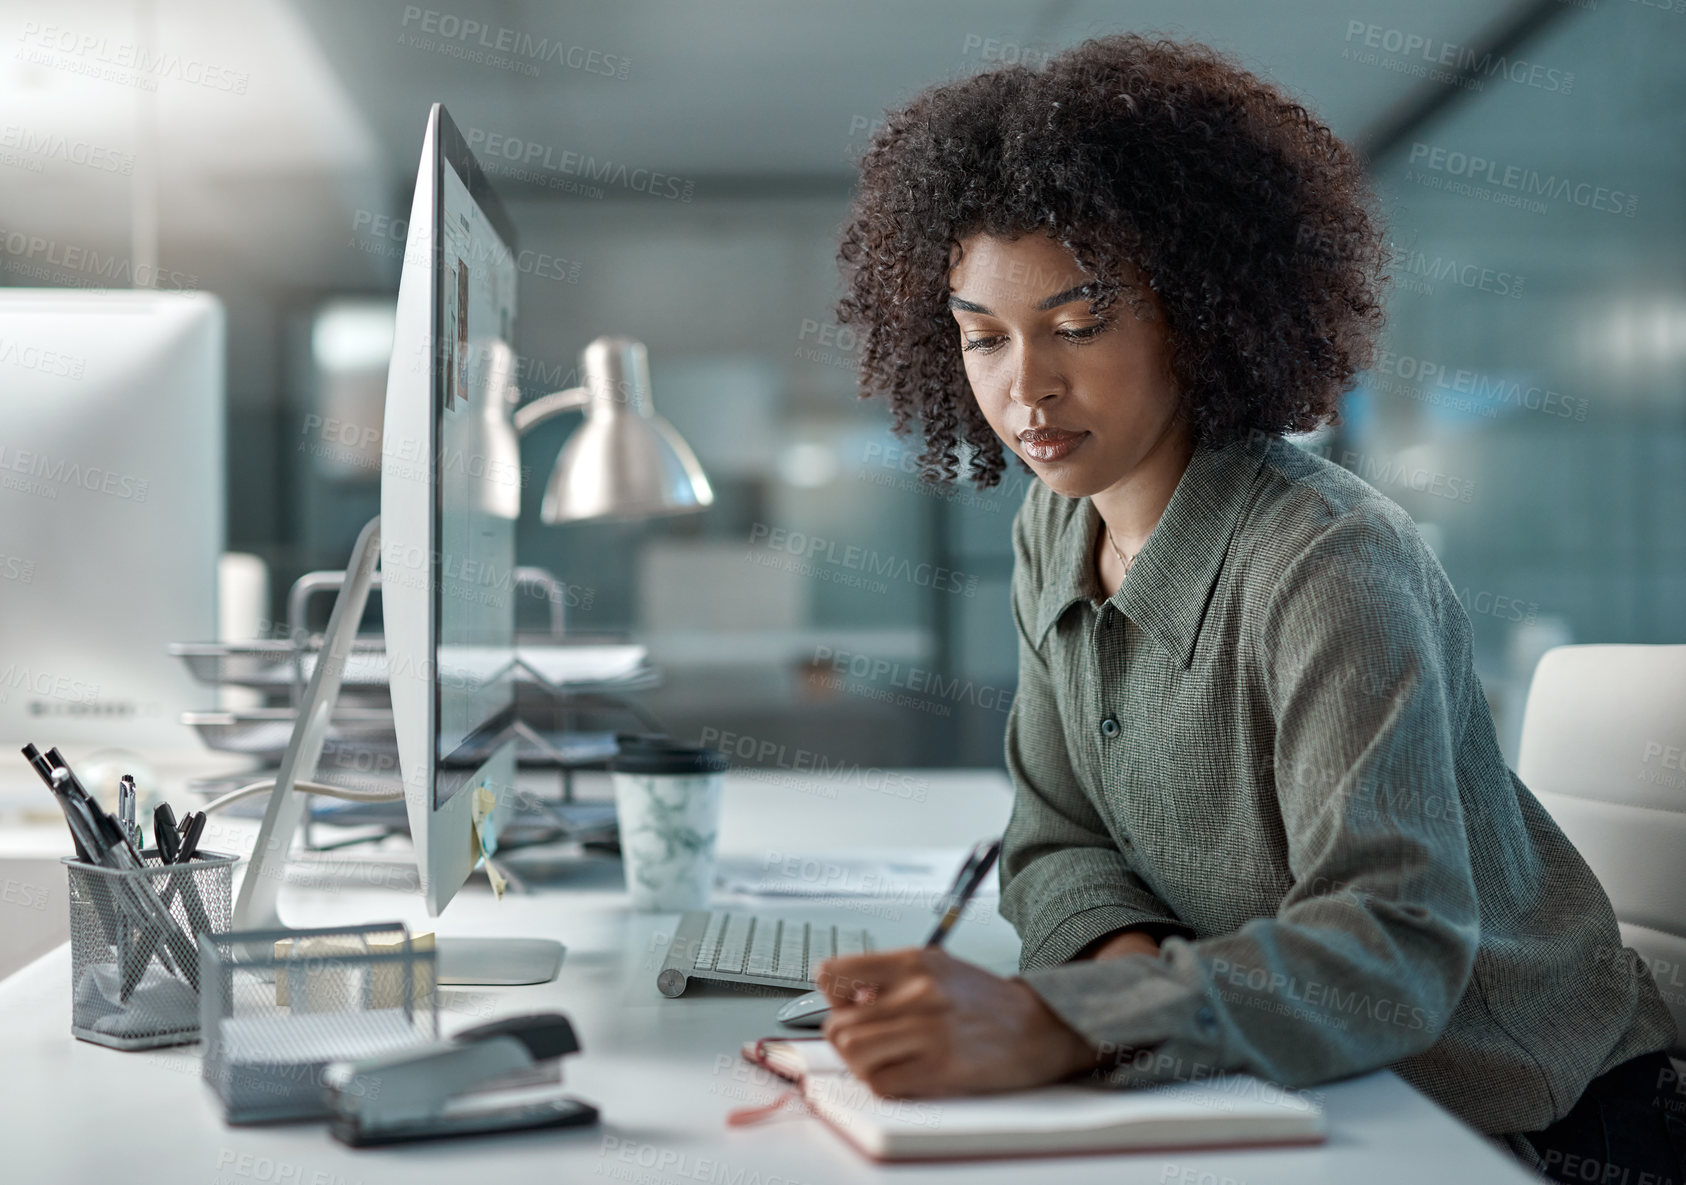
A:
[1068,1108]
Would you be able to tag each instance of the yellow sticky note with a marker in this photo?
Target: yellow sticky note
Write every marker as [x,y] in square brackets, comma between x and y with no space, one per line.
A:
[324,982]
[480,836]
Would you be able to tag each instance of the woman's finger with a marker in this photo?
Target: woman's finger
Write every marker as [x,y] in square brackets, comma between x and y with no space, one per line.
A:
[867,1046]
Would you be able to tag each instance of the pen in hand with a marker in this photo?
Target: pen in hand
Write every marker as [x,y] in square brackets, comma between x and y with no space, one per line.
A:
[966,882]
[951,905]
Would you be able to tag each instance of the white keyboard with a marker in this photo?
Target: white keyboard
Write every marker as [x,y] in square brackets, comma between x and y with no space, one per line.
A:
[749,948]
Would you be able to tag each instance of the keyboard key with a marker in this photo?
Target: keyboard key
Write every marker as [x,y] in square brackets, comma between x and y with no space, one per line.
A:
[793,953]
[734,943]
[850,942]
[709,947]
[763,946]
[822,944]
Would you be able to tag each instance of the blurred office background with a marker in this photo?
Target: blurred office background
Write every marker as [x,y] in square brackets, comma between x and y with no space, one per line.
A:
[678,172]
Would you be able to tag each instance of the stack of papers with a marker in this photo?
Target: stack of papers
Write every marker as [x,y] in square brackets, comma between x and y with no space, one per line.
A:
[909,875]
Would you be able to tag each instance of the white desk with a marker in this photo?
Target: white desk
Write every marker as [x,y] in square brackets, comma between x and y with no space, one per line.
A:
[664,1072]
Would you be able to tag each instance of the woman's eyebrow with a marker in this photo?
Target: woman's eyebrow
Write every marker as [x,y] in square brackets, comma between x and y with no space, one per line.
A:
[1081,292]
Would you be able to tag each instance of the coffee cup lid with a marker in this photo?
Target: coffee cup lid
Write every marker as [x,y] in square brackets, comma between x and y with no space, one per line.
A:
[658,755]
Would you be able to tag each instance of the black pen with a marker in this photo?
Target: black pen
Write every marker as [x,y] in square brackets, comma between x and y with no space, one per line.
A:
[178,846]
[966,882]
[192,827]
[164,834]
[44,768]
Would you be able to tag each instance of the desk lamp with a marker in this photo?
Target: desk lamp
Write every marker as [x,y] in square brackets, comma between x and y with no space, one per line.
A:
[624,461]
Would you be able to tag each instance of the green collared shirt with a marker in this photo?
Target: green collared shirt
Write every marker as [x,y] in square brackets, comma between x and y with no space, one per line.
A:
[1270,746]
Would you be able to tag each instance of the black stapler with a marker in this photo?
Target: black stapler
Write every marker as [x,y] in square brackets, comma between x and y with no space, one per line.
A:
[496,1077]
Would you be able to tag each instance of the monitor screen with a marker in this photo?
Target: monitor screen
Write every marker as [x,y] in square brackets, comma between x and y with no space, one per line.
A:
[477,474]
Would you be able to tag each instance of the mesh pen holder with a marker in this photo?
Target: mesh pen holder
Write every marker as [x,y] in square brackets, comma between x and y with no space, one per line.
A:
[134,968]
[279,1006]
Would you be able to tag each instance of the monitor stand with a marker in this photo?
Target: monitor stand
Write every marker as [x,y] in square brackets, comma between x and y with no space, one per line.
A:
[480,961]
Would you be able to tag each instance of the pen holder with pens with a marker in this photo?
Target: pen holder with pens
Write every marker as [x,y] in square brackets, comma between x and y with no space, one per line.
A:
[134,946]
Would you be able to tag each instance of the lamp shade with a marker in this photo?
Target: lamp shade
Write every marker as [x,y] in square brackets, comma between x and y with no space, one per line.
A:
[624,461]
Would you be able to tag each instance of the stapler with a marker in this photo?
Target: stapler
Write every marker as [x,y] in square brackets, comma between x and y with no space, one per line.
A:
[495,1077]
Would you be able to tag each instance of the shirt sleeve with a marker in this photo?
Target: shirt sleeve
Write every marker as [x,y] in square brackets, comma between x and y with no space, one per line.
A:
[1374,944]
[1064,880]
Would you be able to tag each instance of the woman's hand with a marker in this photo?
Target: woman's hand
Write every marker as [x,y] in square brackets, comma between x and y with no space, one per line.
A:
[919,1022]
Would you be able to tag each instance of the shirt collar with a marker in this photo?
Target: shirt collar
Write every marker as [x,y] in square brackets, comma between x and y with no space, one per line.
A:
[1170,582]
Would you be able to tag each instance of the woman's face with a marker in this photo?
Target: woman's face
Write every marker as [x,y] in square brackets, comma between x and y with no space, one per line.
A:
[1081,401]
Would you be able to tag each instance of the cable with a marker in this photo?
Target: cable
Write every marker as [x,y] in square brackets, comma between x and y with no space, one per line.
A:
[324,790]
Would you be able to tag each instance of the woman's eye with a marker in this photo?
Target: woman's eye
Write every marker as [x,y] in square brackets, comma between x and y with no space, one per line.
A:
[984,344]
[1083,333]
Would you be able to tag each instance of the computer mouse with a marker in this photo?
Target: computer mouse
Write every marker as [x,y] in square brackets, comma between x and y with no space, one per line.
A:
[805,1012]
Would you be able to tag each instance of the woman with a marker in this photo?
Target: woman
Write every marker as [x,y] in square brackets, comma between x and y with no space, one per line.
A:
[1261,820]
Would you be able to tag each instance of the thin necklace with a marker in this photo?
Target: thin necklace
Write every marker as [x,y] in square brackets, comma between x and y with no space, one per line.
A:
[1122,558]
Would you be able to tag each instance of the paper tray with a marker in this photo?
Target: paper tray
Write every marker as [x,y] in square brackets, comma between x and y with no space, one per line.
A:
[264,732]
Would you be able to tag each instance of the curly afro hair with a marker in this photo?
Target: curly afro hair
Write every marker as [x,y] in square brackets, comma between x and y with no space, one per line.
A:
[1249,220]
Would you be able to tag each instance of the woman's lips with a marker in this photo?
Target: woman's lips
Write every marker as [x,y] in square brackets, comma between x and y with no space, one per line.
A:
[1050,444]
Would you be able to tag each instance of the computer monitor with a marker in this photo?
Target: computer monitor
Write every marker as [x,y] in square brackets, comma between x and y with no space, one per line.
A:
[111,515]
[450,495]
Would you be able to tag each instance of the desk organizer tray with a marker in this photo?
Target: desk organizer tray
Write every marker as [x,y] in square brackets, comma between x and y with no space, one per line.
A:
[264,732]
[276,665]
[134,970]
[278,1006]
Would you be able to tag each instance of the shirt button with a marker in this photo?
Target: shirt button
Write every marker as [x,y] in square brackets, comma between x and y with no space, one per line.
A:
[1109,727]
[1206,1019]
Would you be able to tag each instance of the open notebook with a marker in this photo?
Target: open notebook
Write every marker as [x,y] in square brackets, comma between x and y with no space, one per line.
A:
[1051,1120]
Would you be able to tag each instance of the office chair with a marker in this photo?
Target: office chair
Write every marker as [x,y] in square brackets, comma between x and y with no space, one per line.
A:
[1604,750]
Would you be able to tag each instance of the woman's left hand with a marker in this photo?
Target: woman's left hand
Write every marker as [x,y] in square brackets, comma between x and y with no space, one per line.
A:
[919,1022]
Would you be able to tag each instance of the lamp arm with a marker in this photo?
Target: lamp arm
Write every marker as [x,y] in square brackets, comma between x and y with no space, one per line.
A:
[547,407]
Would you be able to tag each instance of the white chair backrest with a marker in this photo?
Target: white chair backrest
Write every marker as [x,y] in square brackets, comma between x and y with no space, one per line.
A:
[1604,750]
